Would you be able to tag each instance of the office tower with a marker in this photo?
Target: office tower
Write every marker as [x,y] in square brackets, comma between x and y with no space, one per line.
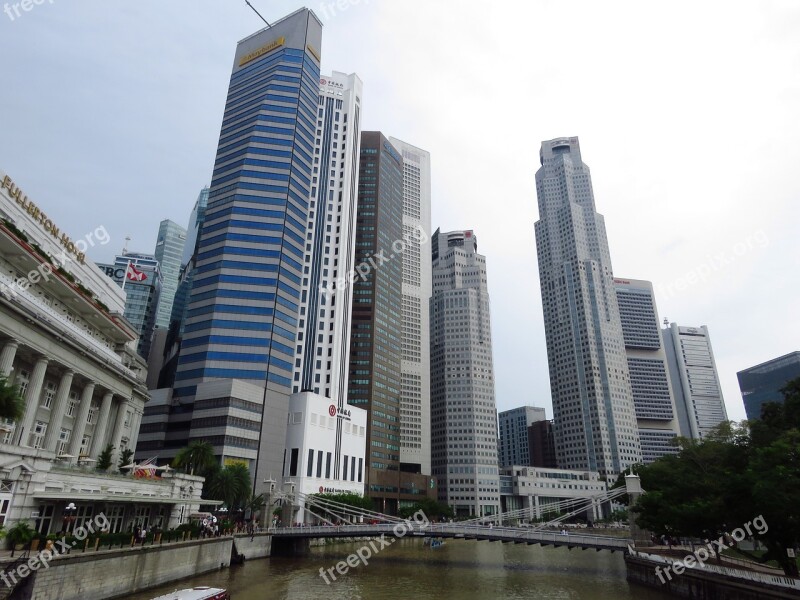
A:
[195,224]
[323,339]
[142,286]
[169,249]
[513,448]
[694,379]
[374,374]
[463,412]
[647,364]
[594,419]
[234,372]
[763,383]
[542,445]
[415,364]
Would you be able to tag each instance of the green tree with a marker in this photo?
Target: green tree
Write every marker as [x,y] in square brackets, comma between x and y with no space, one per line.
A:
[104,459]
[12,405]
[125,458]
[350,499]
[430,508]
[198,457]
[20,533]
[230,484]
[735,475]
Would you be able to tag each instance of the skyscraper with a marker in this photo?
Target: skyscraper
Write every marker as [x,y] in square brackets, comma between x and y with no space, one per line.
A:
[234,373]
[763,383]
[169,248]
[694,378]
[415,368]
[513,448]
[647,364]
[594,418]
[374,374]
[463,411]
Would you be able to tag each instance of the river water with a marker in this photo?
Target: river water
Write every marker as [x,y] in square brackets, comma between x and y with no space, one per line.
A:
[409,570]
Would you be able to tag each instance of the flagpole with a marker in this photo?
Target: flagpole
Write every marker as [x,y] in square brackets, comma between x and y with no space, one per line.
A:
[125,277]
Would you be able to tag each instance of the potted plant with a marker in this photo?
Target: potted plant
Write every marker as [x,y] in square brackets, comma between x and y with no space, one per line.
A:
[20,534]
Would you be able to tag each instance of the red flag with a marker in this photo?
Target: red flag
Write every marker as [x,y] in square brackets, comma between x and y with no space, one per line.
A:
[135,274]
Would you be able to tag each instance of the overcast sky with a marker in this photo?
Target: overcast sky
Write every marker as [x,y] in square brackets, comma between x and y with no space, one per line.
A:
[687,113]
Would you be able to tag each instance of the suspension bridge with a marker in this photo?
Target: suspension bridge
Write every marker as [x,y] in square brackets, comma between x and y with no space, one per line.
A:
[331,519]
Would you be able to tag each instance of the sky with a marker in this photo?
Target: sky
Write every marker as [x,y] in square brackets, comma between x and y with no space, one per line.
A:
[687,114]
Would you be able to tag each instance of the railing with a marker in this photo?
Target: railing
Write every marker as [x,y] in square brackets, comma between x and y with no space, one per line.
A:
[776,580]
[53,316]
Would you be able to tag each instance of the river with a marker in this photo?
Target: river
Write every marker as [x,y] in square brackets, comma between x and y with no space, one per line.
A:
[408,570]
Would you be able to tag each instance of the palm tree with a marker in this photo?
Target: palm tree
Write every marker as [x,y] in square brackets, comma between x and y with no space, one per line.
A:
[197,456]
[12,405]
[231,485]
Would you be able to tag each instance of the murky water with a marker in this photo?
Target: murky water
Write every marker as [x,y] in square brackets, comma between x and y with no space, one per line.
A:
[408,570]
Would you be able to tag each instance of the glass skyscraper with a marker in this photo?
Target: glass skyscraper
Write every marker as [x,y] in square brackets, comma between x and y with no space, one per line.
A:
[594,418]
[169,248]
[763,383]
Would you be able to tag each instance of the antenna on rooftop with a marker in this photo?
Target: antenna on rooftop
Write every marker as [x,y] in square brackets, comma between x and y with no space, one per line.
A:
[258,13]
[127,239]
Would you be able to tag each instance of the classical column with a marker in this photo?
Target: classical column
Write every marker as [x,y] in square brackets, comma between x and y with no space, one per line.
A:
[80,420]
[135,425]
[98,439]
[7,356]
[32,394]
[116,438]
[57,411]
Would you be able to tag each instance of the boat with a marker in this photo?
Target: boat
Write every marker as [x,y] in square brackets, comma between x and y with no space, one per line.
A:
[202,592]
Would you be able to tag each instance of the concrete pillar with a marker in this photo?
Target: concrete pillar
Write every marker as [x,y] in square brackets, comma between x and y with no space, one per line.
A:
[57,411]
[80,421]
[31,402]
[7,356]
[116,437]
[135,424]
[99,437]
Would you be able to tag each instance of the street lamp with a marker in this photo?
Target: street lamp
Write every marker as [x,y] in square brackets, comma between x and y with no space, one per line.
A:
[69,515]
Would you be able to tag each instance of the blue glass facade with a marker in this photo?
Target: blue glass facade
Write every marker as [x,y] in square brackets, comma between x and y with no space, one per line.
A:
[763,383]
[243,309]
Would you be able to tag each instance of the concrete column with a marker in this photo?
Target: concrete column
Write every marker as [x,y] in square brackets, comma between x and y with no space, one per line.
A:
[99,438]
[31,402]
[135,424]
[80,420]
[57,411]
[7,356]
[116,438]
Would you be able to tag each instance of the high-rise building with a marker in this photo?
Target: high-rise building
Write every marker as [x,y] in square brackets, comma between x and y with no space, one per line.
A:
[169,249]
[415,369]
[513,448]
[542,445]
[647,364]
[196,219]
[763,383]
[694,379]
[463,411]
[234,373]
[374,373]
[142,293]
[594,418]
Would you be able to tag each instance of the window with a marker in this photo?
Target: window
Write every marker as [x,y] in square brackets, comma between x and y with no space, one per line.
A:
[310,466]
[293,462]
[127,422]
[72,404]
[37,438]
[85,442]
[92,416]
[49,394]
[63,441]
[328,466]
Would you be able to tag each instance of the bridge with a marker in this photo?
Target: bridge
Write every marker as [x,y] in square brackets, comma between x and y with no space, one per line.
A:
[336,520]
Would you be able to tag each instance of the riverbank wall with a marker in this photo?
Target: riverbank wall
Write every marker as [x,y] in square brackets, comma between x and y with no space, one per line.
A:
[118,573]
[710,582]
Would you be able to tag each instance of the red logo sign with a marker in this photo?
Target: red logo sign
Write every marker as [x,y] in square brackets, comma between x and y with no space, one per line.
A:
[332,410]
[323,81]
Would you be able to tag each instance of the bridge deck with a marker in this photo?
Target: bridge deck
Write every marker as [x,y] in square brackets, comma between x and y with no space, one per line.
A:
[516,535]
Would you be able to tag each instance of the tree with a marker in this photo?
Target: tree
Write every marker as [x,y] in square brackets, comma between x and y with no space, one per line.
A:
[125,458]
[12,405]
[20,533]
[230,484]
[198,456]
[737,474]
[104,458]
[430,508]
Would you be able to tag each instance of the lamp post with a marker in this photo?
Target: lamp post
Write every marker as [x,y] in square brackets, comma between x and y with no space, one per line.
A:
[69,515]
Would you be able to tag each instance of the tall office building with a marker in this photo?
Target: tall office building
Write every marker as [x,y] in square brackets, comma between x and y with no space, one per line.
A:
[196,218]
[542,445]
[763,383]
[463,411]
[513,448]
[647,364]
[234,373]
[415,367]
[594,418]
[694,379]
[374,374]
[169,249]
[323,339]
[142,293]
